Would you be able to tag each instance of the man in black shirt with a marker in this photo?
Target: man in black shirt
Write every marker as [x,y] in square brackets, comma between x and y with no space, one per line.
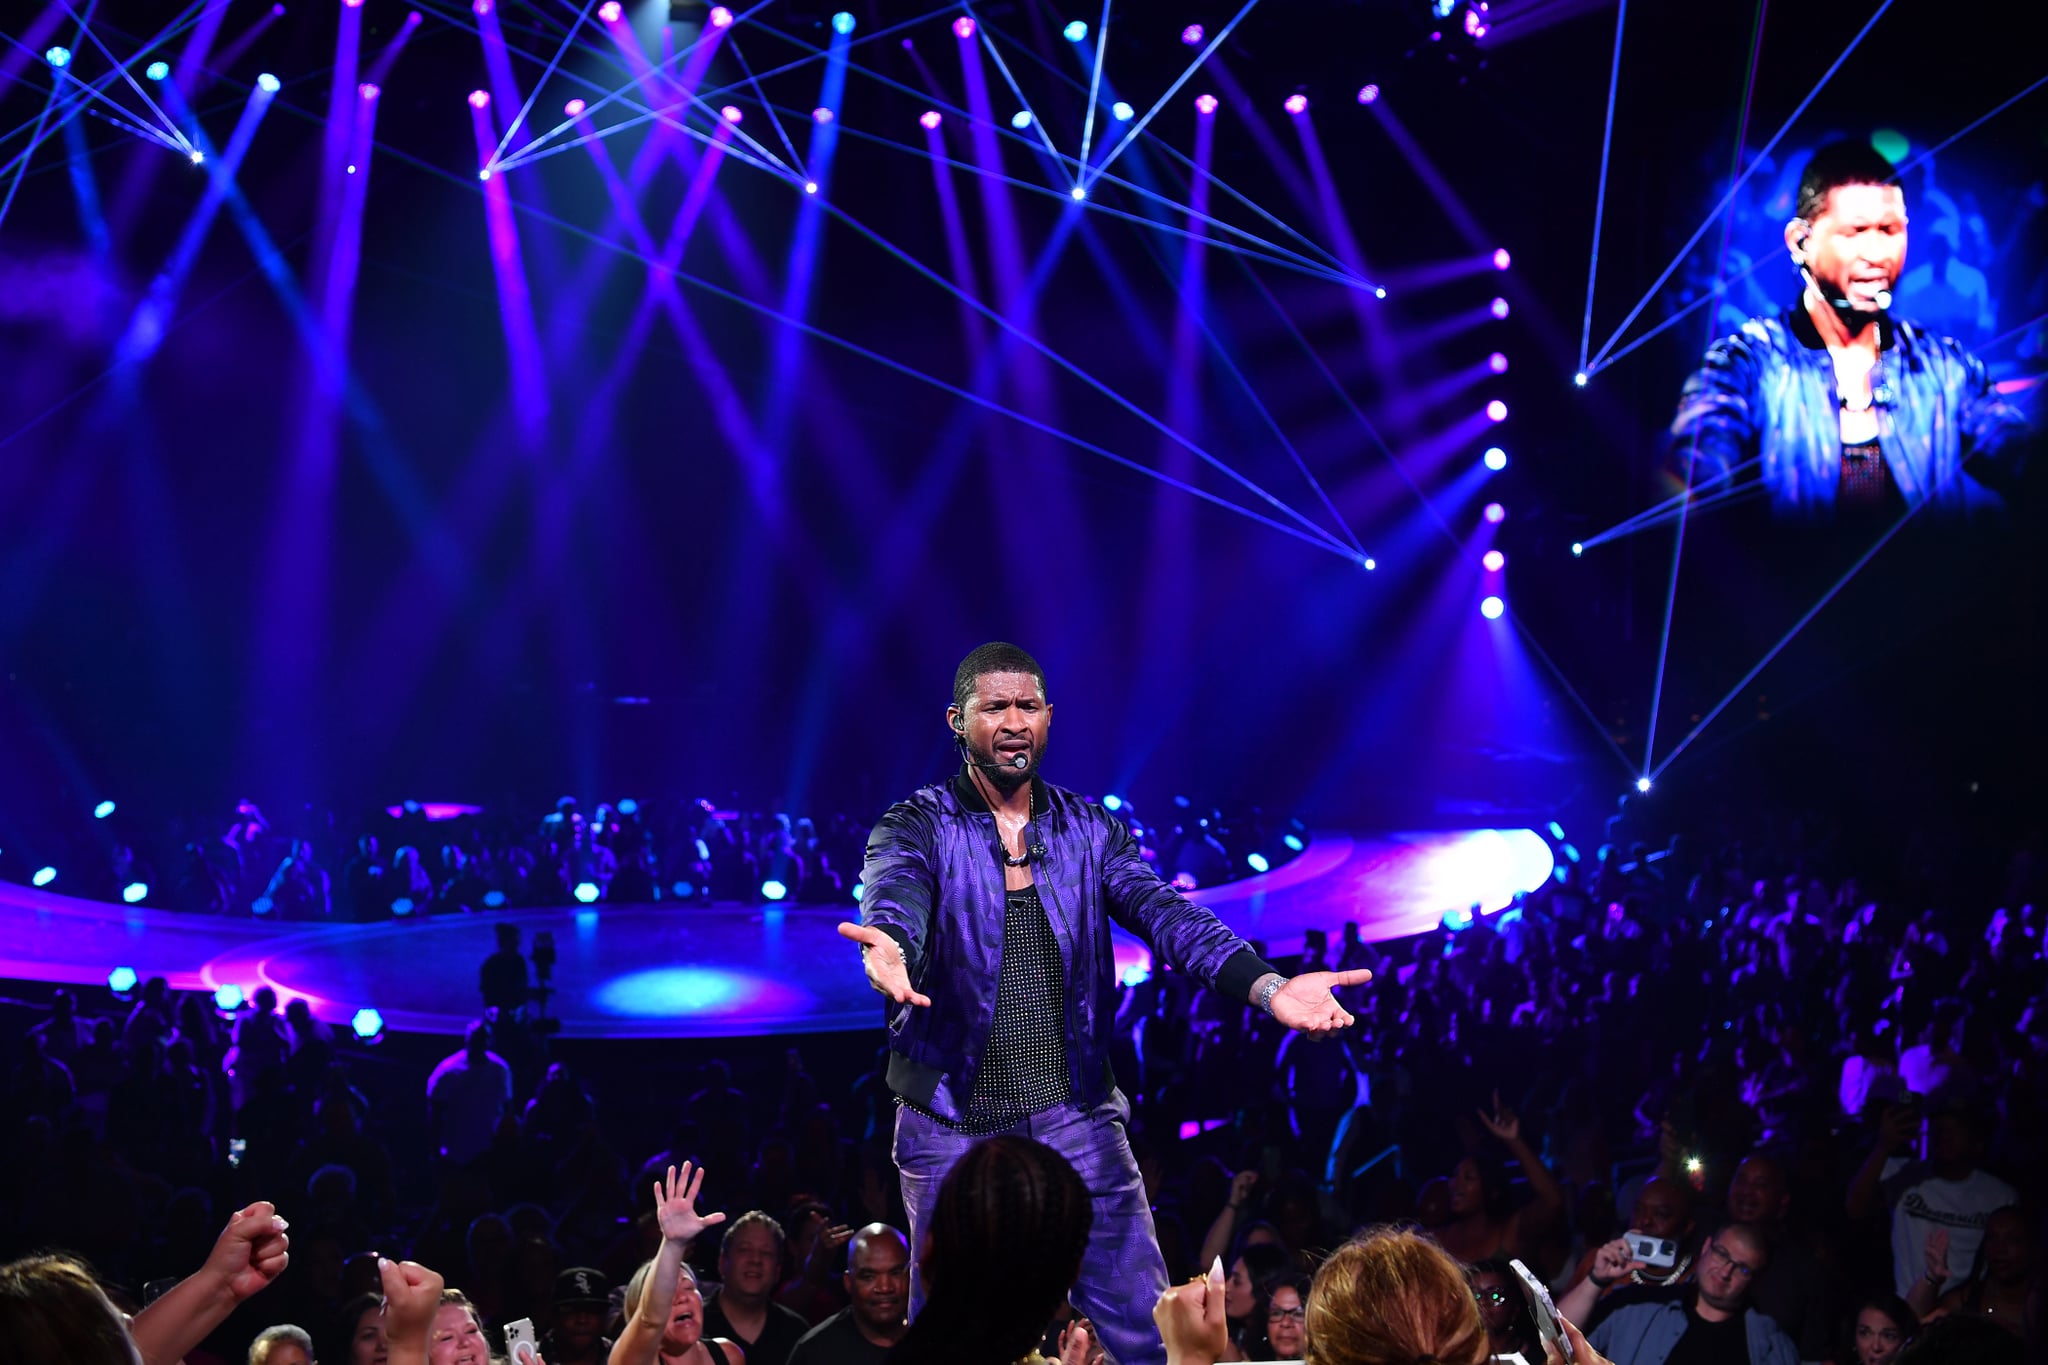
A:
[749,1267]
[878,1282]
[1706,1322]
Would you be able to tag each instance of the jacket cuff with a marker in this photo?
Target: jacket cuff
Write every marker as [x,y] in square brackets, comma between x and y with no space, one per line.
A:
[901,935]
[1235,977]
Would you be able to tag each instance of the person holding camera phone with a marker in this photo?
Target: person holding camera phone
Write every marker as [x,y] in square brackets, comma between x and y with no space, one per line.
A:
[1945,1190]
[1706,1322]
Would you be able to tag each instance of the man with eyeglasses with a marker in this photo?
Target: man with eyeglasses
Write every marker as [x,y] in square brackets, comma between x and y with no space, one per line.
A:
[878,1283]
[1706,1322]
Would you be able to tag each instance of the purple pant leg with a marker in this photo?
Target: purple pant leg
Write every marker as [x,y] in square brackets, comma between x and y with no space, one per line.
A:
[1122,1272]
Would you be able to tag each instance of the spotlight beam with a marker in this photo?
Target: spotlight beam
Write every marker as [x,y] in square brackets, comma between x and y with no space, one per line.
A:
[133,84]
[1095,82]
[1037,124]
[1756,41]
[526,107]
[1786,639]
[1173,153]
[1667,510]
[1600,199]
[732,45]
[1973,125]
[26,54]
[1123,144]
[1313,535]
[1755,161]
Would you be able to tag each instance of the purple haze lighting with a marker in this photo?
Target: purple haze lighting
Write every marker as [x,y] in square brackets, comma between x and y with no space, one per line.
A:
[1492,608]
[1368,93]
[574,108]
[821,115]
[930,119]
[1501,259]
[1496,411]
[1495,514]
[369,91]
[1499,308]
[479,99]
[1497,362]
[411,20]
[963,27]
[731,113]
[721,17]
[1192,34]
[1205,104]
[1296,104]
[609,11]
[1494,561]
[1472,24]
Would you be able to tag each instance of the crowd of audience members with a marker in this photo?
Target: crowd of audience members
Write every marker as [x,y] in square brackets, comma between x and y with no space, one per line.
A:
[1827,1098]
[415,859]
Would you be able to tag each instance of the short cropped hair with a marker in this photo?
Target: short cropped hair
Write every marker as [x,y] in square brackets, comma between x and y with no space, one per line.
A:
[1845,162]
[754,1218]
[269,1337]
[997,656]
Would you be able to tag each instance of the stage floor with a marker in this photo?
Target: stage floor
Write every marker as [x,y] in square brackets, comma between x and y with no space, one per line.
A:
[703,971]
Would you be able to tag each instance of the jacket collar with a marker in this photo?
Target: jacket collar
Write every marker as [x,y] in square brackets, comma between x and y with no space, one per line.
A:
[970,799]
[1800,324]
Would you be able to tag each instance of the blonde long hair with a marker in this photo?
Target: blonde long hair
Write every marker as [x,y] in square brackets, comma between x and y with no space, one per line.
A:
[1393,1297]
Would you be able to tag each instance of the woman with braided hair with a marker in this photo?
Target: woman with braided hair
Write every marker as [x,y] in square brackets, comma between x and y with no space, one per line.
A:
[1002,1248]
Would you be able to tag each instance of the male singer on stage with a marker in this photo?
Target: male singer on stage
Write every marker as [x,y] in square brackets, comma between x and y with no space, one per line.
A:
[1845,409]
[986,921]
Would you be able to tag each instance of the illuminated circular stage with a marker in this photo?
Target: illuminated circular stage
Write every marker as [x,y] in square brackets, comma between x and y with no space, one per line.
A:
[704,971]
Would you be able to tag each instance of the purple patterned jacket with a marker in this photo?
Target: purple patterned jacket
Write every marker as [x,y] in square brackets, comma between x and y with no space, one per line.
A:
[934,882]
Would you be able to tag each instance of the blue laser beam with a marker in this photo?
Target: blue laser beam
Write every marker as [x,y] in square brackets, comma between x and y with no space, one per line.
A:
[1741,180]
[1600,200]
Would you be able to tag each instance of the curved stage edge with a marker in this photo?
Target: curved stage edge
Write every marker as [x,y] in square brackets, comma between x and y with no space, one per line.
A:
[706,971]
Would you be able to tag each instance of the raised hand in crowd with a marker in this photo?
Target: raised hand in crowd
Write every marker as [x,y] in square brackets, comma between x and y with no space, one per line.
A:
[412,1296]
[1191,1322]
[251,1252]
[1612,1262]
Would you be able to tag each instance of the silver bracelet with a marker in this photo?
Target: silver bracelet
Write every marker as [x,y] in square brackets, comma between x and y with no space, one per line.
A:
[1265,1000]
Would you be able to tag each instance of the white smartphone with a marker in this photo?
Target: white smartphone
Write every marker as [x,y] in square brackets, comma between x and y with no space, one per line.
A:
[1549,1326]
[520,1346]
[1660,1253]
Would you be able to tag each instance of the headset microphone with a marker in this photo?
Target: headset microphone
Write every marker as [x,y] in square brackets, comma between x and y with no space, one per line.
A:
[1840,303]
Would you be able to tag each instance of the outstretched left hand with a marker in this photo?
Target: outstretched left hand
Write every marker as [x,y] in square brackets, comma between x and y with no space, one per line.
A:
[1306,1004]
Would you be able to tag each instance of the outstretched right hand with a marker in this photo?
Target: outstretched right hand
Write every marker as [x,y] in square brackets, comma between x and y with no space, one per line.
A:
[675,1206]
[1613,1261]
[883,957]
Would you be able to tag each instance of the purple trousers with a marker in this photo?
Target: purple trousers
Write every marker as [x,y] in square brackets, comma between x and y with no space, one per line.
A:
[1122,1273]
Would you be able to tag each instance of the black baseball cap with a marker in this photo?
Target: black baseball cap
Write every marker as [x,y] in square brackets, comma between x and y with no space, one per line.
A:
[582,1287]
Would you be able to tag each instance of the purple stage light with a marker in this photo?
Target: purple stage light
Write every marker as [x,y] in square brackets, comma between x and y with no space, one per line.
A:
[1492,608]
[810,187]
[930,119]
[369,90]
[1078,193]
[821,115]
[1473,25]
[1494,561]
[412,20]
[609,11]
[479,99]
[721,17]
[1495,459]
[1495,514]
[478,7]
[1499,308]
[1193,34]
[731,113]
[1296,104]
[574,108]
[1496,411]
[1205,104]
[353,4]
[1501,259]
[1368,93]
[1497,362]
[963,27]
